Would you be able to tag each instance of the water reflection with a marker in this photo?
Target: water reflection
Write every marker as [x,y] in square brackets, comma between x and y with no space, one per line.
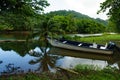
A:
[12,60]
[19,47]
[46,61]
[11,69]
[23,57]
[1,62]
[17,57]
[72,58]
[14,36]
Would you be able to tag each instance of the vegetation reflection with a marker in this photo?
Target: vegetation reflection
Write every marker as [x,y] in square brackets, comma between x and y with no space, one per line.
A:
[44,58]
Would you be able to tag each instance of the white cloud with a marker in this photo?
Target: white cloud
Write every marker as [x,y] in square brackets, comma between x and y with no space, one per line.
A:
[87,7]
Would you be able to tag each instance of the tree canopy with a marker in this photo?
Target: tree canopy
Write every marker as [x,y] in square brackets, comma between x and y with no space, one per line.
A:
[25,15]
[23,6]
[76,15]
[114,11]
[21,14]
[74,22]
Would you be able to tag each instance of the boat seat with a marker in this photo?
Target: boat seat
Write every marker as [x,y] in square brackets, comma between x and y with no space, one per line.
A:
[94,45]
[104,47]
[80,44]
[64,41]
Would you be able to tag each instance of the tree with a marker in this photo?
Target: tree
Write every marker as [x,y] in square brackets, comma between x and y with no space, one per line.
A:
[23,6]
[111,27]
[114,11]
[21,14]
[64,24]
[89,26]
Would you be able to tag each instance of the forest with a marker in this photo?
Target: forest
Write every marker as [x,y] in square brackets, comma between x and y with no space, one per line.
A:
[28,15]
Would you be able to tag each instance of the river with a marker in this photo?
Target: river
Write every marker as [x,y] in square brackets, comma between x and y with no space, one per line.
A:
[32,56]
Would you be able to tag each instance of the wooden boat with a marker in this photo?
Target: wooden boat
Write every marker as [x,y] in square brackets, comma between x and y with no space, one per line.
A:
[81,46]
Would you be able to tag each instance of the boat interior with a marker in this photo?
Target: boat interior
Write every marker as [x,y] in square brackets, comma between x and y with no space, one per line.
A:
[87,45]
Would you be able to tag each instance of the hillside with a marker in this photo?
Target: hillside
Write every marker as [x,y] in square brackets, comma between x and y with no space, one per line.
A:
[76,15]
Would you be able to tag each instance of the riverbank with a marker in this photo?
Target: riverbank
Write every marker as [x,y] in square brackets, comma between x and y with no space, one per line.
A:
[85,72]
[101,39]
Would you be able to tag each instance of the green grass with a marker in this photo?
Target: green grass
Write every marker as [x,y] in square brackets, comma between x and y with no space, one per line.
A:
[108,73]
[102,39]
[98,39]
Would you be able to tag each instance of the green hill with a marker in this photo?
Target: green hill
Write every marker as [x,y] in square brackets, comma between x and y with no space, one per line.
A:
[76,15]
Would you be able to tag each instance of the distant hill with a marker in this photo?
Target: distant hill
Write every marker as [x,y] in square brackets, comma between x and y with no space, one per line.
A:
[76,15]
[105,22]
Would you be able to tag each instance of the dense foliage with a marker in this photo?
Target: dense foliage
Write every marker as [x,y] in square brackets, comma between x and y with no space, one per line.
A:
[76,15]
[21,14]
[114,11]
[90,26]
[26,15]
[64,23]
[11,21]
[74,22]
[23,6]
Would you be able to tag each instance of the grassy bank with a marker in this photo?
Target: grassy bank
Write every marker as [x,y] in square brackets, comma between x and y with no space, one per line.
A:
[85,72]
[98,39]
[90,72]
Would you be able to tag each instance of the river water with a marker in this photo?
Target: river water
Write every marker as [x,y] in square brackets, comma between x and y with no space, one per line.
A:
[24,56]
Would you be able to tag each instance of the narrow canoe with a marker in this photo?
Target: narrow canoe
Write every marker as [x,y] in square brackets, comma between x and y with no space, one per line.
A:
[81,46]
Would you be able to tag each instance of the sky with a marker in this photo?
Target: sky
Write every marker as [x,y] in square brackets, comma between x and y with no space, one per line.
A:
[87,7]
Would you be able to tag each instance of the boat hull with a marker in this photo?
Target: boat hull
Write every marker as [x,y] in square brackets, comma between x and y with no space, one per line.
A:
[56,43]
[80,54]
